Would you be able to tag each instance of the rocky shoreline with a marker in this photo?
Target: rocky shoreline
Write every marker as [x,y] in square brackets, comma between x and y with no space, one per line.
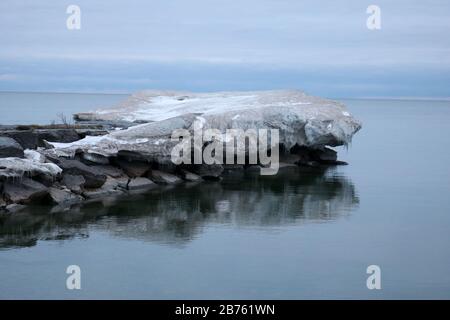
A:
[127,149]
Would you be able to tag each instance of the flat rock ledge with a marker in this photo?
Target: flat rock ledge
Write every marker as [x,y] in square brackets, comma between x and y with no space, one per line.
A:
[127,148]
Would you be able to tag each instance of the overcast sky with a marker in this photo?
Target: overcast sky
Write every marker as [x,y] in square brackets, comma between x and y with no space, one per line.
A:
[323,47]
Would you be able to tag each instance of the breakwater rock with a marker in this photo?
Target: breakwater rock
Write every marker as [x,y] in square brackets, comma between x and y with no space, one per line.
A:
[128,148]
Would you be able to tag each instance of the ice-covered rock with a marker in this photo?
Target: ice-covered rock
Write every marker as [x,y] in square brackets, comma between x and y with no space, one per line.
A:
[17,168]
[34,155]
[122,160]
[302,120]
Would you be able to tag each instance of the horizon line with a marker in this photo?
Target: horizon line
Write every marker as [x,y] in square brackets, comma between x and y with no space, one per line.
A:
[400,98]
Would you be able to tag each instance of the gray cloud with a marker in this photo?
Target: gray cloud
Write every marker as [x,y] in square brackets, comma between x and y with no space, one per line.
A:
[234,44]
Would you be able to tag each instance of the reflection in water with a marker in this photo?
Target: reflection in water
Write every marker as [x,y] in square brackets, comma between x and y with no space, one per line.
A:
[177,214]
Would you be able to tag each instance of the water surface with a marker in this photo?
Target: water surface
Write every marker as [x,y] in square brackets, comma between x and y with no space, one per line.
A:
[44,108]
[303,234]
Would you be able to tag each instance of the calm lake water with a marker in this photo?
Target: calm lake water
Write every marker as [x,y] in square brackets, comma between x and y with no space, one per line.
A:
[301,234]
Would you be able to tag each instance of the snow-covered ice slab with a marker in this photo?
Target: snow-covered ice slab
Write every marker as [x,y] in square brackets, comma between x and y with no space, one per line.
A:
[302,120]
[154,105]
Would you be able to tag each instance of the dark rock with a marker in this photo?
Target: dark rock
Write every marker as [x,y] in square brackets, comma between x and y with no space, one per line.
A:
[109,170]
[140,121]
[56,135]
[233,166]
[45,179]
[313,157]
[169,167]
[47,145]
[31,137]
[109,188]
[140,183]
[10,148]
[82,133]
[207,171]
[312,164]
[189,176]
[253,168]
[131,156]
[134,168]
[324,155]
[73,182]
[107,124]
[290,158]
[303,153]
[28,139]
[164,177]
[94,158]
[63,197]
[53,158]
[93,178]
[24,191]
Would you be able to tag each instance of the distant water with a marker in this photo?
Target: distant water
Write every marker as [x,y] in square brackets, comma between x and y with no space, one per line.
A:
[302,234]
[43,108]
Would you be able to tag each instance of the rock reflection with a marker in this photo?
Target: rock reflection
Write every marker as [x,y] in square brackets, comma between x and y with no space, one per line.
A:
[178,214]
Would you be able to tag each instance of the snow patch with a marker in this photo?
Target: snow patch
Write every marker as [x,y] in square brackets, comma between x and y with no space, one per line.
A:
[15,167]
